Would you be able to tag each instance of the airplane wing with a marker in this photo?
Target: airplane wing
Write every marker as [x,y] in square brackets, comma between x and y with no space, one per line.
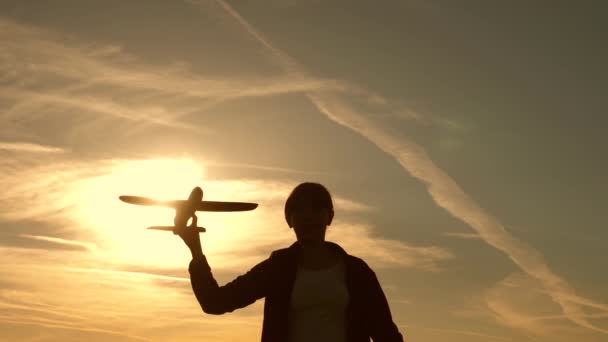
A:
[148,201]
[203,206]
[226,206]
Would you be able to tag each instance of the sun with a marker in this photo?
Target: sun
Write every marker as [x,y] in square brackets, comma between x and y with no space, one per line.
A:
[119,228]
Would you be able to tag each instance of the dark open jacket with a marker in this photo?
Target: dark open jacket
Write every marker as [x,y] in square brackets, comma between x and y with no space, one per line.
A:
[367,314]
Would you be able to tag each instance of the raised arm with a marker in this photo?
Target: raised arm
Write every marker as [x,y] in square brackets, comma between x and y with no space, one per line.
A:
[241,292]
[215,299]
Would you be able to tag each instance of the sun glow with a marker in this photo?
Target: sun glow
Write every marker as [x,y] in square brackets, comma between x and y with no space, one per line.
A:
[120,226]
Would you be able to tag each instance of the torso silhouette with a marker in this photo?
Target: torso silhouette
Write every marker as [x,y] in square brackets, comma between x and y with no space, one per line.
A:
[318,304]
[342,301]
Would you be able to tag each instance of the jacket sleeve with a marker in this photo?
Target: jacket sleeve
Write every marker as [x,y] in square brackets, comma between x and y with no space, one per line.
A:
[241,292]
[382,327]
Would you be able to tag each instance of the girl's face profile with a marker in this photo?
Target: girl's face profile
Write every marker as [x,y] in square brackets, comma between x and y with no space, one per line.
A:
[309,221]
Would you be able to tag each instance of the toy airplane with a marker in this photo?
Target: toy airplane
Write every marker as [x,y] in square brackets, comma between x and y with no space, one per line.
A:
[186,209]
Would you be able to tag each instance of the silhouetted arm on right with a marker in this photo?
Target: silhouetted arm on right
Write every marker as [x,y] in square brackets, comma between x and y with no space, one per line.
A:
[215,299]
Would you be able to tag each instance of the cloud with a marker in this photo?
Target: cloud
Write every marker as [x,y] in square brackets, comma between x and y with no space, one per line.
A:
[521,302]
[29,147]
[359,240]
[46,323]
[54,290]
[66,205]
[34,186]
[343,204]
[456,332]
[32,56]
[32,61]
[446,193]
[463,235]
[74,200]
[61,242]
[234,246]
[272,232]
[85,103]
[277,192]
[128,268]
[259,167]
[50,78]
[511,298]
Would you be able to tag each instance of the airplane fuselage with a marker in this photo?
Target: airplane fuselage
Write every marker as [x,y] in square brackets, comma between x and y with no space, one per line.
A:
[184,212]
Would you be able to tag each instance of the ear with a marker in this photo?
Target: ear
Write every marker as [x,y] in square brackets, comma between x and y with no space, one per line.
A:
[331,218]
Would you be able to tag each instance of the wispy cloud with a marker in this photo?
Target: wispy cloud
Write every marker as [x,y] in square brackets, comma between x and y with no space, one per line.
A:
[272,231]
[41,66]
[259,167]
[384,253]
[447,194]
[100,92]
[521,302]
[29,147]
[443,189]
[170,306]
[66,325]
[85,245]
[85,103]
[74,199]
[34,186]
[449,332]
[463,235]
[33,61]
[49,78]
[350,205]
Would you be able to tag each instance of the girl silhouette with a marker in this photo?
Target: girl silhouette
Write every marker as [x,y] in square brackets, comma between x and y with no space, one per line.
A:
[313,290]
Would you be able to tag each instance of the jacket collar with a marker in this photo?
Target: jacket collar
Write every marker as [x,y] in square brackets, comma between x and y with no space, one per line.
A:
[295,248]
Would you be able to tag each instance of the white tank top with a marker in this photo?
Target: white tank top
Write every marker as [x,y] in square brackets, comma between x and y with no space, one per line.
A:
[318,305]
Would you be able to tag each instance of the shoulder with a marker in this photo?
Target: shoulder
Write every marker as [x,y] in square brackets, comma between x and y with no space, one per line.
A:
[281,254]
[357,263]
[282,257]
[358,269]
[352,262]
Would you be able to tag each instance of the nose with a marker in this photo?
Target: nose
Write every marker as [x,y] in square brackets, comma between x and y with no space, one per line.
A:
[307,212]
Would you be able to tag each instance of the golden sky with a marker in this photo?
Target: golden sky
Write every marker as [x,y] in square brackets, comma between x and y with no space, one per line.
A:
[463,144]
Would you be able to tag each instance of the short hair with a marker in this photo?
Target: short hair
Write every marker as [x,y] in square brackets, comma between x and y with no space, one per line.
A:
[308,193]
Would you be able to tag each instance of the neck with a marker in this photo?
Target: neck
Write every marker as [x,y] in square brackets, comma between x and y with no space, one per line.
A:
[313,246]
[316,255]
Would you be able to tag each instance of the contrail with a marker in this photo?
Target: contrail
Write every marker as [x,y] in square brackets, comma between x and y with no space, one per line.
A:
[445,192]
